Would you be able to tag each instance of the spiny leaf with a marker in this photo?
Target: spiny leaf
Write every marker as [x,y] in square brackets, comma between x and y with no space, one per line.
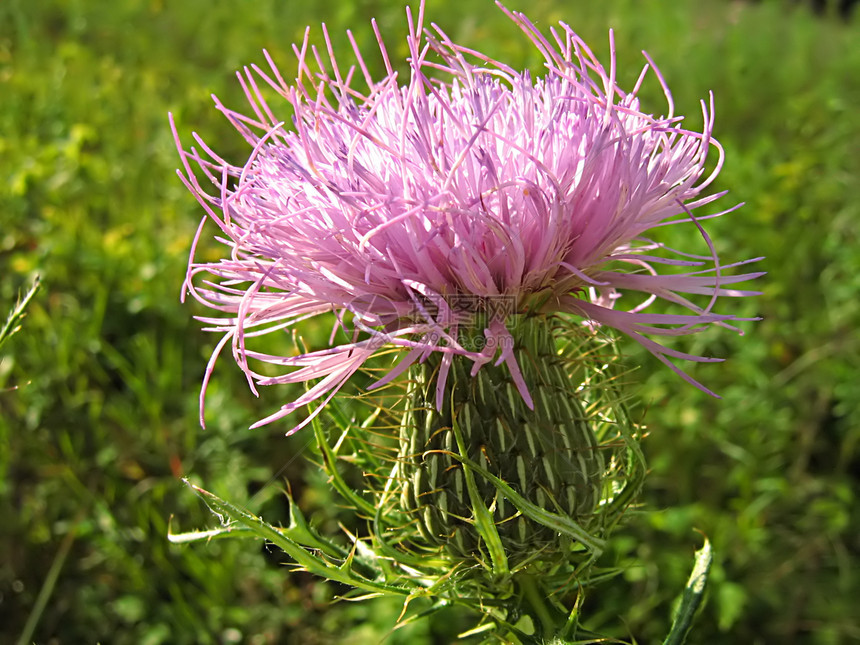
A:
[537,514]
[299,553]
[483,518]
[692,597]
[206,535]
[330,466]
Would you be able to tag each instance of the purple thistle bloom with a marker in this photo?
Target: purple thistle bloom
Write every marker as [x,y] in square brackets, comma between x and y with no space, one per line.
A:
[471,180]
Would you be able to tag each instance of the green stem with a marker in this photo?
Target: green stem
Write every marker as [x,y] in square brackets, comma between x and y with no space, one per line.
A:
[539,609]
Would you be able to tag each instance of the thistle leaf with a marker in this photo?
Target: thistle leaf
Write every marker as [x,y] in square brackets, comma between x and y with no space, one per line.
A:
[692,597]
[301,554]
[330,466]
[204,536]
[483,518]
[559,523]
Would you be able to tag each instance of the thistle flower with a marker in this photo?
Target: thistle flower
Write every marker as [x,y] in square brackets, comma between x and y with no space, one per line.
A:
[410,205]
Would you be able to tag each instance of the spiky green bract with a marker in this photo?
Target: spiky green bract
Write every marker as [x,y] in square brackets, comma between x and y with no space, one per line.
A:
[519,594]
[549,456]
[520,500]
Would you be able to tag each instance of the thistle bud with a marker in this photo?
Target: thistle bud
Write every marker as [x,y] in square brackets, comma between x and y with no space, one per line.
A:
[549,455]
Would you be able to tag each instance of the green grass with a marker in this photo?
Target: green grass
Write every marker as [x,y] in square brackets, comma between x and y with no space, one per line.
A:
[98,391]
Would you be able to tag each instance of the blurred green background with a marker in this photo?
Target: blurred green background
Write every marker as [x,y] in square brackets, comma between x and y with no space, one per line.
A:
[98,392]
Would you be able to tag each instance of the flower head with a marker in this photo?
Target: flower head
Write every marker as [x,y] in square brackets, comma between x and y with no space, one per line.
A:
[413,204]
